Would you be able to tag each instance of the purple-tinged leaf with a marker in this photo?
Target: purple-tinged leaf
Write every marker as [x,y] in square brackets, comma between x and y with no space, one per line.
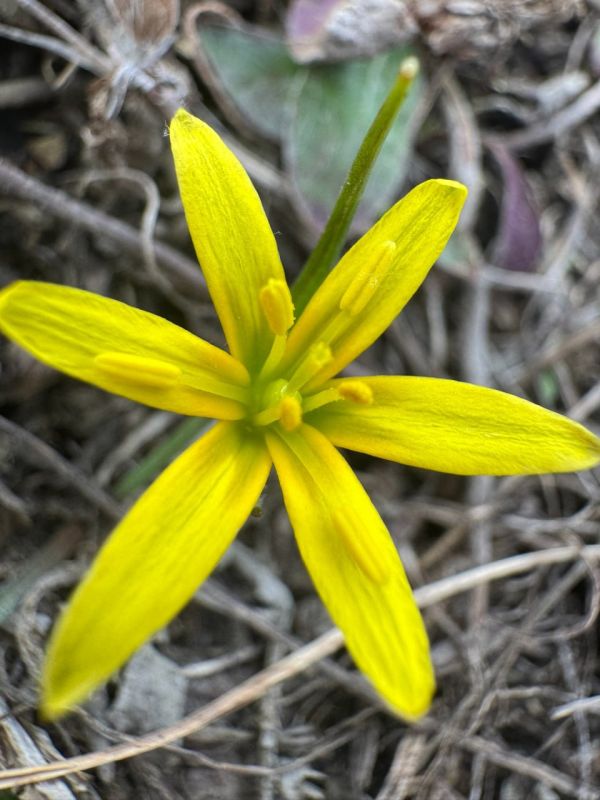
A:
[333,109]
[306,19]
[518,238]
[335,30]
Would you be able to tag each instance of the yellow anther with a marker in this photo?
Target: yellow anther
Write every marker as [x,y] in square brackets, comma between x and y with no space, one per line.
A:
[318,356]
[276,302]
[370,560]
[357,392]
[290,412]
[367,281]
[138,370]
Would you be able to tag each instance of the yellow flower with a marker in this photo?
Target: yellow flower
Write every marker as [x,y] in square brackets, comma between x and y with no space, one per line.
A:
[277,403]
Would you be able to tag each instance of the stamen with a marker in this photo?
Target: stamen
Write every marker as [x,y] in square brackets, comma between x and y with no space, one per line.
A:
[320,399]
[317,358]
[356,540]
[276,302]
[290,413]
[357,392]
[368,280]
[156,374]
[138,370]
[274,357]
[268,416]
[353,391]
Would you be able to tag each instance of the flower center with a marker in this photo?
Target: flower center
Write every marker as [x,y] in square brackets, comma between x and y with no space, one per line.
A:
[279,403]
[279,400]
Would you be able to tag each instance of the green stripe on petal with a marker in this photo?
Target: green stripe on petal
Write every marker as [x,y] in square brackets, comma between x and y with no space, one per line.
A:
[154,561]
[457,427]
[233,240]
[355,567]
[377,276]
[123,350]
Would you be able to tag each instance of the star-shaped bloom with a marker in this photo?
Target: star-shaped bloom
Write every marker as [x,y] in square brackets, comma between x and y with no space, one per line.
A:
[277,402]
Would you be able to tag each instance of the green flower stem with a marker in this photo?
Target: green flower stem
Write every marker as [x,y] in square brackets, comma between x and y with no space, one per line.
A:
[157,459]
[329,246]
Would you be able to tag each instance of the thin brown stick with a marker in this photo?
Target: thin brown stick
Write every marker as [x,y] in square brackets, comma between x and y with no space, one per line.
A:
[247,692]
[530,767]
[14,182]
[48,457]
[58,26]
[581,109]
[556,352]
[48,43]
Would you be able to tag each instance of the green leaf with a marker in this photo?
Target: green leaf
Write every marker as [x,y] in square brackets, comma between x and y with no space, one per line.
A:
[138,477]
[255,69]
[332,112]
[548,388]
[321,113]
[329,247]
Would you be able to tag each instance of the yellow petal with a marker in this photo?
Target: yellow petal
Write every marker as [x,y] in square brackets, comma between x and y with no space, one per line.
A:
[154,561]
[234,243]
[356,569]
[377,277]
[457,427]
[123,350]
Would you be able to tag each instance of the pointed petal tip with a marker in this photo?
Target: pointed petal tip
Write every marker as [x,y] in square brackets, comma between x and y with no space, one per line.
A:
[49,712]
[55,704]
[445,183]
[410,695]
[185,123]
[594,446]
[182,116]
[61,689]
[413,710]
